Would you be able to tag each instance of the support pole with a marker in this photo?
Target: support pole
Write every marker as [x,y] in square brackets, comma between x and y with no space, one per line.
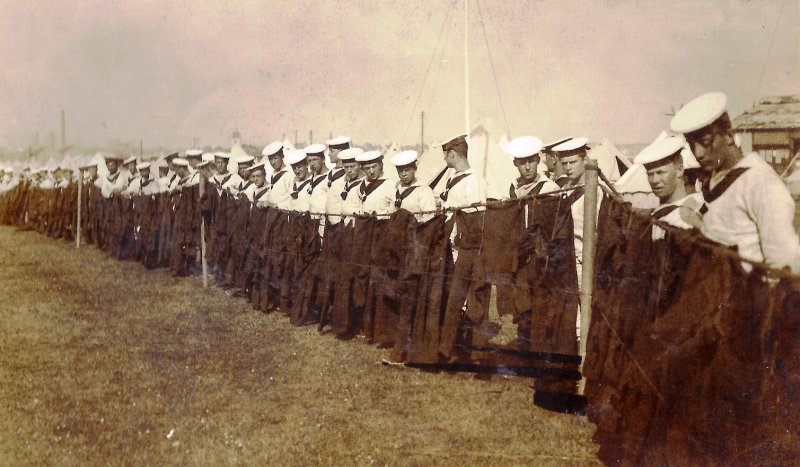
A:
[78,225]
[203,232]
[587,275]
[467,127]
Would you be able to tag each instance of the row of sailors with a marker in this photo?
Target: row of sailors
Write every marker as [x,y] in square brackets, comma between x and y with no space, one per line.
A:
[742,203]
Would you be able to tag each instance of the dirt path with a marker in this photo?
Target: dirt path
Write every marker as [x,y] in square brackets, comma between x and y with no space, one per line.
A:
[104,362]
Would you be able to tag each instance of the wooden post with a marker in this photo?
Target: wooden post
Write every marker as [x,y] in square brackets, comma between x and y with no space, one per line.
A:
[203,232]
[78,228]
[587,275]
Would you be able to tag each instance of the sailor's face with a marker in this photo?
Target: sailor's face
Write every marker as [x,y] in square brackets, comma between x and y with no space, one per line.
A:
[300,170]
[258,178]
[131,167]
[276,162]
[193,161]
[221,165]
[664,180]
[352,170]
[407,174]
[316,164]
[333,155]
[112,165]
[527,167]
[550,162]
[243,171]
[373,170]
[145,173]
[574,166]
[708,147]
[182,171]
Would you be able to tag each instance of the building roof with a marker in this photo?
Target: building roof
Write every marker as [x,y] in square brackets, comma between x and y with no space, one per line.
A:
[771,113]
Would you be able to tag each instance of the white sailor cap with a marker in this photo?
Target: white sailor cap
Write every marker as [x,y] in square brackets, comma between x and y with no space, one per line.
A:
[571,147]
[111,157]
[369,156]
[699,113]
[180,162]
[207,157]
[173,155]
[661,152]
[294,157]
[129,160]
[194,153]
[257,167]
[245,160]
[349,154]
[549,146]
[404,158]
[524,147]
[203,164]
[317,150]
[142,165]
[340,142]
[88,165]
[273,148]
[222,155]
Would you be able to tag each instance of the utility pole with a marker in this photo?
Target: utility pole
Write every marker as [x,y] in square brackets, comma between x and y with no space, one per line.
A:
[63,130]
[310,137]
[141,147]
[295,139]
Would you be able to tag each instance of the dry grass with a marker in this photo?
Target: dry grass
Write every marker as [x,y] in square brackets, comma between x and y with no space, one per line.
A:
[102,360]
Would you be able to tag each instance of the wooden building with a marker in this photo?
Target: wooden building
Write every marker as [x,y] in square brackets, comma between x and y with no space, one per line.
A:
[772,128]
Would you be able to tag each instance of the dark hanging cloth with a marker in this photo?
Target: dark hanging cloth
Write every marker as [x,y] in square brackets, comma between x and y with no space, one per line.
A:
[425,268]
[546,258]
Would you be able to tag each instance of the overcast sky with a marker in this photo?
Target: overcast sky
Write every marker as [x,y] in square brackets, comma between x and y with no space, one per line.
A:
[172,71]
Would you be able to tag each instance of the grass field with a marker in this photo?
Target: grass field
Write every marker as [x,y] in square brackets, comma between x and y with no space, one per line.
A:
[106,363]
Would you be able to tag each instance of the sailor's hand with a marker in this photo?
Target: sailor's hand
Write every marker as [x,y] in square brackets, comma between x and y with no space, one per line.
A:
[691,217]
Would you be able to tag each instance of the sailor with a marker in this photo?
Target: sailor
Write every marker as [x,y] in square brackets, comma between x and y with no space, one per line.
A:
[318,188]
[243,163]
[129,170]
[65,177]
[280,182]
[134,181]
[252,177]
[113,183]
[148,185]
[376,192]
[258,175]
[573,158]
[664,162]
[173,179]
[160,170]
[464,199]
[204,164]
[353,179]
[194,156]
[224,180]
[409,194]
[748,204]
[89,172]
[182,169]
[555,171]
[335,146]
[299,195]
[337,177]
[526,153]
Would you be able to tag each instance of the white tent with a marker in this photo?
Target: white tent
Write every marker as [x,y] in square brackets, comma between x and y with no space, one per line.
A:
[488,160]
[609,159]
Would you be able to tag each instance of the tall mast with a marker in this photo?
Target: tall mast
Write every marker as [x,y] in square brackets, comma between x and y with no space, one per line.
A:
[466,66]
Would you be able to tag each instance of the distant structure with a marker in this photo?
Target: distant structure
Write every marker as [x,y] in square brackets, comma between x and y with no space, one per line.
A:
[236,138]
[772,128]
